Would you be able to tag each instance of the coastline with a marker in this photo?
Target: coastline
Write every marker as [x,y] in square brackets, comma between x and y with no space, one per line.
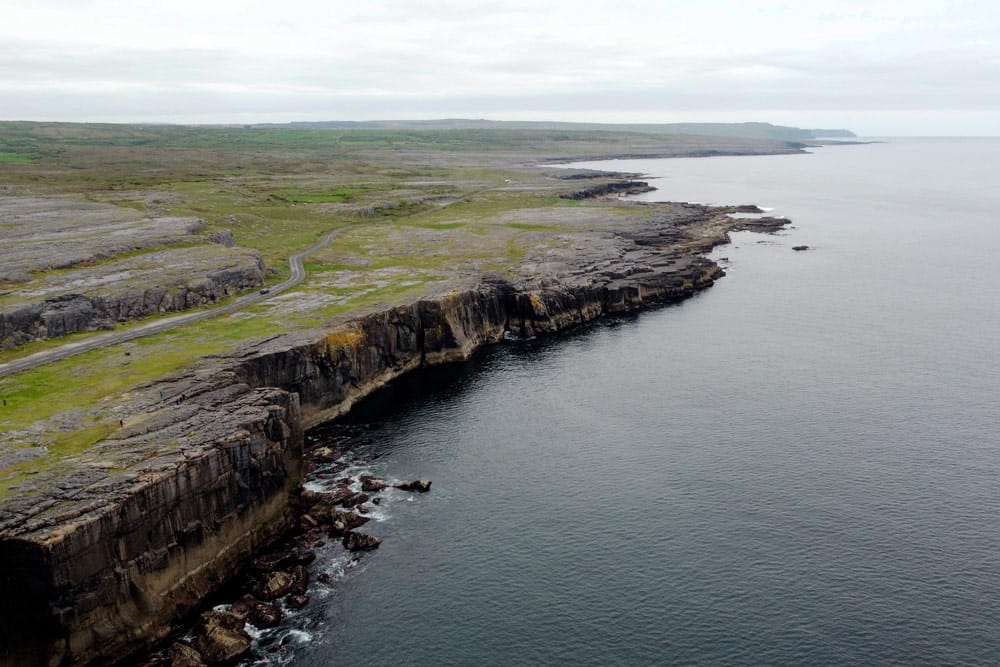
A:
[202,482]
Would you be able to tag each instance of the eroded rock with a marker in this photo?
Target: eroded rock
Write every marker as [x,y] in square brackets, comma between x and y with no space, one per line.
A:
[355,499]
[345,521]
[220,638]
[297,601]
[370,484]
[274,586]
[419,485]
[183,655]
[257,613]
[360,542]
[300,580]
[273,561]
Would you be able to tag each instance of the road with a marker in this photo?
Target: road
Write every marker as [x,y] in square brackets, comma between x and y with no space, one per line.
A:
[298,274]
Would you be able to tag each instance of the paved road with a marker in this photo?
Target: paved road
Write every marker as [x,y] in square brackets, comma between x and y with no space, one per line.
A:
[115,337]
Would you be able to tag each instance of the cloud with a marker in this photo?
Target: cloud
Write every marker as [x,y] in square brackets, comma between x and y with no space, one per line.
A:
[76,60]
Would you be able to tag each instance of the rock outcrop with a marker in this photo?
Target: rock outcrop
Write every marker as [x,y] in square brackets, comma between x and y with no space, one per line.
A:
[135,533]
[63,313]
[615,188]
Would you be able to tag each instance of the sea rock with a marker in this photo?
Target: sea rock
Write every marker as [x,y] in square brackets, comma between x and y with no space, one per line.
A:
[338,496]
[324,455]
[300,580]
[371,484]
[274,586]
[256,613]
[420,485]
[297,601]
[360,542]
[322,512]
[220,638]
[182,655]
[355,499]
[304,499]
[271,562]
[345,521]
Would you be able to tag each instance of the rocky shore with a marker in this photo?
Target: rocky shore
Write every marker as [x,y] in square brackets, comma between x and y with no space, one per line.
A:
[105,554]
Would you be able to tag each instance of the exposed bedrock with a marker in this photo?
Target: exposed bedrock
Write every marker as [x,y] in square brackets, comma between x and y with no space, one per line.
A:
[104,553]
[134,535]
[73,313]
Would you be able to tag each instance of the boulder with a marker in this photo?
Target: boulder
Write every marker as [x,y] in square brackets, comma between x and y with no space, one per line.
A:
[182,655]
[321,512]
[370,484]
[256,613]
[360,542]
[338,496]
[276,585]
[271,562]
[324,455]
[297,601]
[300,580]
[420,485]
[220,638]
[345,521]
[305,556]
[355,499]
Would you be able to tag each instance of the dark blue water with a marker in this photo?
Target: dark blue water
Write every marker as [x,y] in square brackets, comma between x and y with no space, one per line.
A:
[800,465]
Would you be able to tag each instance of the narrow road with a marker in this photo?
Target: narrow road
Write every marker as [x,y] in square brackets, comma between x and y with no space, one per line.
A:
[114,337]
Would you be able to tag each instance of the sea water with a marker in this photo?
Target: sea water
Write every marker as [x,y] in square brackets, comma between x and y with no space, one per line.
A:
[799,465]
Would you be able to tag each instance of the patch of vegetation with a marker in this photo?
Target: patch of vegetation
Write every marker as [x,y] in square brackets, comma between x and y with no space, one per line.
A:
[529,227]
[7,157]
[345,338]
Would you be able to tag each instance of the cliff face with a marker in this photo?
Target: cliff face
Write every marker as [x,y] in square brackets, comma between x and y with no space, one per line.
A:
[331,372]
[144,528]
[103,554]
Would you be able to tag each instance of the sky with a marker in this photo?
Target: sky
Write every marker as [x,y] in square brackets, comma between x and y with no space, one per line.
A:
[878,67]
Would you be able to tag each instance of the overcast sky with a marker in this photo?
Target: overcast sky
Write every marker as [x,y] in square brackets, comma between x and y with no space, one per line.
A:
[880,68]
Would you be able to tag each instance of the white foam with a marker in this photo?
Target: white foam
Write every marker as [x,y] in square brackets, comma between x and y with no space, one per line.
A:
[298,636]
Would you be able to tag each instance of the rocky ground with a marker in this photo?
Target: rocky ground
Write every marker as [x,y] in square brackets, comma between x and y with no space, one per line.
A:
[68,266]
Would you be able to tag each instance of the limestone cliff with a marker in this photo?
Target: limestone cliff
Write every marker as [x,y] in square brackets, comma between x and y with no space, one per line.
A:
[102,555]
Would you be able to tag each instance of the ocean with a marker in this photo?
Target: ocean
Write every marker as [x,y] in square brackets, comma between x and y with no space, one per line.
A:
[799,465]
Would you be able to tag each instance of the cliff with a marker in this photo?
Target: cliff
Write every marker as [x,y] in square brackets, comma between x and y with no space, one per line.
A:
[104,554]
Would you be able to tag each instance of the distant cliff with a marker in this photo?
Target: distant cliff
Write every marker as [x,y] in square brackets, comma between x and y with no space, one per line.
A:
[748,130]
[833,134]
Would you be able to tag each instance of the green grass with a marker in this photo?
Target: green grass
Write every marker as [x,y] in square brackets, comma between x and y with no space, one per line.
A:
[529,227]
[40,393]
[17,158]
